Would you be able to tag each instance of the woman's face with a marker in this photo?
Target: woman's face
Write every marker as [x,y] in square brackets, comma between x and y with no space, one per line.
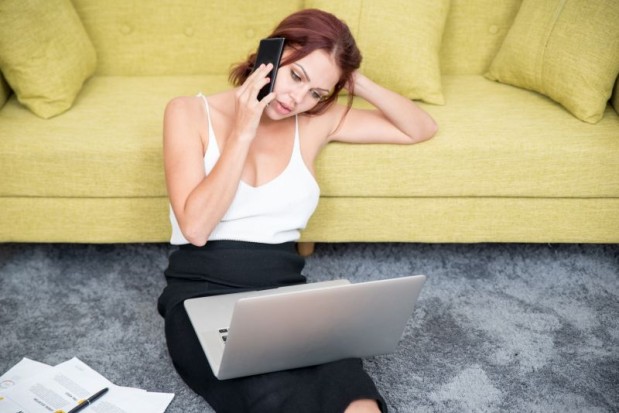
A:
[300,85]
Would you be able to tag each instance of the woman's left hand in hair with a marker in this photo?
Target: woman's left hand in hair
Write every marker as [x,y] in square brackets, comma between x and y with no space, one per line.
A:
[353,80]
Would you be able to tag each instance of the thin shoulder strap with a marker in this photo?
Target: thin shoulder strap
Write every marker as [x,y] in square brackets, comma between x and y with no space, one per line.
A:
[211,132]
[297,140]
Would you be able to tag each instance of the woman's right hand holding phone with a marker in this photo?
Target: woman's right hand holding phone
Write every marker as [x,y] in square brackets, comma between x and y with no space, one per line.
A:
[247,107]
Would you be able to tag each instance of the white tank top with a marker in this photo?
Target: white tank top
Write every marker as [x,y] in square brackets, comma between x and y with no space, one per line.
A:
[271,213]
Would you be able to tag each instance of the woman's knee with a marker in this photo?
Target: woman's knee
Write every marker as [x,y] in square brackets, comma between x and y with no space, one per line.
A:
[363,406]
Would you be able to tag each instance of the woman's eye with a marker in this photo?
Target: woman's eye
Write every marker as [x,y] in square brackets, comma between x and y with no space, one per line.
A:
[316,95]
[295,76]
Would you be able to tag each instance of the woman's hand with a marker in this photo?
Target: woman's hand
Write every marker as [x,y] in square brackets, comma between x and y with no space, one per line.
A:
[352,82]
[360,84]
[247,107]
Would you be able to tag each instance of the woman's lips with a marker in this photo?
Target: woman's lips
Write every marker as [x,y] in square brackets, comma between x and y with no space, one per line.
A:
[282,109]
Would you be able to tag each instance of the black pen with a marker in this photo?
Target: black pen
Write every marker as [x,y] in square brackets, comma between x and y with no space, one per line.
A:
[88,401]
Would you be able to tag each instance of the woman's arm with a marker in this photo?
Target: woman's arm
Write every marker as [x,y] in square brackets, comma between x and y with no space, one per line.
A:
[200,201]
[396,119]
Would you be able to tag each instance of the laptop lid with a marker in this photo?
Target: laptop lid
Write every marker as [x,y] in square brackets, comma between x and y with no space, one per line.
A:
[211,316]
[309,327]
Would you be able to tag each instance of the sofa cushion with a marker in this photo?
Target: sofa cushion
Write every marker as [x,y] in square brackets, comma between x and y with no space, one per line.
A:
[45,53]
[96,150]
[494,140]
[565,49]
[108,145]
[399,40]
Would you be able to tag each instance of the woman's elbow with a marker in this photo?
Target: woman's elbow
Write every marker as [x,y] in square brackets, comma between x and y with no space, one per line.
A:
[195,235]
[424,133]
[431,130]
[198,242]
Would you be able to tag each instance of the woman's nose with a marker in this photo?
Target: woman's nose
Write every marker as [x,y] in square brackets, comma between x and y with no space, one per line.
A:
[298,94]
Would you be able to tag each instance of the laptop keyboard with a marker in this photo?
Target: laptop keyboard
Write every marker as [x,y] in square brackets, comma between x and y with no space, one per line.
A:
[223,333]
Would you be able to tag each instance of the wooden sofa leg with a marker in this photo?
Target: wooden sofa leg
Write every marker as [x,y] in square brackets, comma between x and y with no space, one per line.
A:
[306,248]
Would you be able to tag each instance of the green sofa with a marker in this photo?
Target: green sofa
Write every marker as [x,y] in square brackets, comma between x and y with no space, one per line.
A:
[509,163]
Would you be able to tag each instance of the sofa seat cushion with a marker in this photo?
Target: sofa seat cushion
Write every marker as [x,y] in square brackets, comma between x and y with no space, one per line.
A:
[108,145]
[494,141]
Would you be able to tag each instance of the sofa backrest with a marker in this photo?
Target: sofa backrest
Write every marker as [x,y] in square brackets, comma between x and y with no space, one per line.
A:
[206,37]
[165,37]
[473,34]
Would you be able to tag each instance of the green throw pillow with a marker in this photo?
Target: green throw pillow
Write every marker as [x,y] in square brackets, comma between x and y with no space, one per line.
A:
[400,42]
[45,53]
[567,50]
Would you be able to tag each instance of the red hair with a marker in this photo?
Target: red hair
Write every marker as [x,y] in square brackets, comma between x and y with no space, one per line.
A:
[306,31]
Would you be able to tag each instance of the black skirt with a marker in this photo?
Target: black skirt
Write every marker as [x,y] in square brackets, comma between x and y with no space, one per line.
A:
[222,267]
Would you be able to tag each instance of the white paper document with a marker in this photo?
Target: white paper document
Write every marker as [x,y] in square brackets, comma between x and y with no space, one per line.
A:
[33,387]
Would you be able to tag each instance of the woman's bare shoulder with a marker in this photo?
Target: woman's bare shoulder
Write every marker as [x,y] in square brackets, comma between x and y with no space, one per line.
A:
[328,121]
[192,104]
[182,107]
[315,130]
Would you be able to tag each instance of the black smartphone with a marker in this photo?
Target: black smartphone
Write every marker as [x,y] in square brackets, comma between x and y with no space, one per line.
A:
[269,51]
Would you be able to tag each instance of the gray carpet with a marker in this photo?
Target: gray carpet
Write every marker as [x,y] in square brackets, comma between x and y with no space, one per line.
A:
[521,328]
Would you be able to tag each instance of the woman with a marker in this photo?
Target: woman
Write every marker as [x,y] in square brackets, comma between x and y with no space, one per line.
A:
[240,179]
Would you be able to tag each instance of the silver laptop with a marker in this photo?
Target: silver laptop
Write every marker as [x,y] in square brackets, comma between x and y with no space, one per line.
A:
[303,325]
